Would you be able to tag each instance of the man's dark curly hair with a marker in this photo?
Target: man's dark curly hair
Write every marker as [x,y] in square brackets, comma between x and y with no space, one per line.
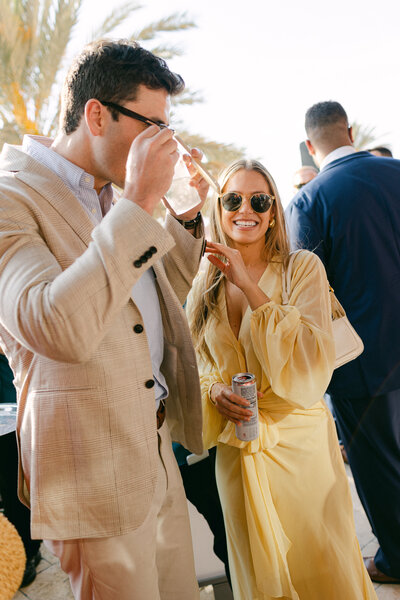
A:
[112,71]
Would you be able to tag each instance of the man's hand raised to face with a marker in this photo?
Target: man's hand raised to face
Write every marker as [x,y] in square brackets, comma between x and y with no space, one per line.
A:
[150,167]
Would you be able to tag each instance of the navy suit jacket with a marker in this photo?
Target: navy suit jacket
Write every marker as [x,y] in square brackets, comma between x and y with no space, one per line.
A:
[350,216]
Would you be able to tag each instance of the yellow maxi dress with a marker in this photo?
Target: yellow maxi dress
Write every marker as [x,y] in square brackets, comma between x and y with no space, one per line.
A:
[285,496]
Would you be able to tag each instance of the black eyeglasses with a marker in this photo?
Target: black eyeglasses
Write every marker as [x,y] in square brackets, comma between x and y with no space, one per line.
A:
[260,203]
[134,115]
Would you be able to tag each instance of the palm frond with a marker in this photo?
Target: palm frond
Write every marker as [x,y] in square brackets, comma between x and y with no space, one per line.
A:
[28,16]
[166,51]
[175,22]
[12,48]
[58,35]
[364,135]
[114,19]
[51,129]
[187,98]
[10,133]
[216,155]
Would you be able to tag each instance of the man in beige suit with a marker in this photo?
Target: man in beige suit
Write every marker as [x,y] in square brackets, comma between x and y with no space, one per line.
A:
[91,321]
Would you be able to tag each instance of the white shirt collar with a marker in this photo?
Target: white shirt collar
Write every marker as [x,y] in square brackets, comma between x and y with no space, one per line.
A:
[39,148]
[335,154]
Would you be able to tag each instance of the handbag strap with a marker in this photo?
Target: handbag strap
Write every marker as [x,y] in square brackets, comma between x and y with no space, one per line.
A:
[287,277]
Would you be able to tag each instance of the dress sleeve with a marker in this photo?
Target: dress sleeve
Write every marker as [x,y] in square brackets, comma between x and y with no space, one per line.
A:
[294,343]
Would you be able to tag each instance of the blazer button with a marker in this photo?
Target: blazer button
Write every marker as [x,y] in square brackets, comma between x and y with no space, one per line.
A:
[137,263]
[138,328]
[153,249]
[149,384]
[148,254]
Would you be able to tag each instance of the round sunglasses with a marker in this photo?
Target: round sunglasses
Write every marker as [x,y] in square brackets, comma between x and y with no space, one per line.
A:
[260,202]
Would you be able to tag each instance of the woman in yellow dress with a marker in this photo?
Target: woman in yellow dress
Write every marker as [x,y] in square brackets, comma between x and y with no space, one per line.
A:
[285,496]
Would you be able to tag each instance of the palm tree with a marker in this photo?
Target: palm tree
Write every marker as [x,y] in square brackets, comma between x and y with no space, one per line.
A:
[33,39]
[34,36]
[364,135]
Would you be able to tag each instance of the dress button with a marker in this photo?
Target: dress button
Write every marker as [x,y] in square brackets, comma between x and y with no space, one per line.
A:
[137,263]
[148,254]
[138,328]
[149,383]
[153,249]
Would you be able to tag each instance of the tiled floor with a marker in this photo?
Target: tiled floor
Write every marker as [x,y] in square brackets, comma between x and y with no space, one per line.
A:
[52,584]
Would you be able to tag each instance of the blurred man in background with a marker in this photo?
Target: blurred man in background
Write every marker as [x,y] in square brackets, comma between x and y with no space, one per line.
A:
[350,216]
[381,151]
[303,176]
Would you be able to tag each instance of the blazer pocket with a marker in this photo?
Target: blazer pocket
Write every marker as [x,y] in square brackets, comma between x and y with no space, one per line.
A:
[71,420]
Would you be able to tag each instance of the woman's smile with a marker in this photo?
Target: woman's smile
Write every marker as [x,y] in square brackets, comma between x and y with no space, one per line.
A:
[245,223]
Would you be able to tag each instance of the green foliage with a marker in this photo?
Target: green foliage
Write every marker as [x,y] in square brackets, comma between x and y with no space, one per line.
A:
[175,22]
[216,155]
[34,36]
[115,18]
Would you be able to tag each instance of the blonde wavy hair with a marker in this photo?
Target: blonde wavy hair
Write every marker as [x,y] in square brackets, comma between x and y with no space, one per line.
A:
[276,250]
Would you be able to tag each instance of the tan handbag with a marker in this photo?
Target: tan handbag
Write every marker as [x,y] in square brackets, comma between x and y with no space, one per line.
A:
[348,344]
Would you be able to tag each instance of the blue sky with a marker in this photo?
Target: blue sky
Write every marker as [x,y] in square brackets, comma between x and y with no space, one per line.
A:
[261,64]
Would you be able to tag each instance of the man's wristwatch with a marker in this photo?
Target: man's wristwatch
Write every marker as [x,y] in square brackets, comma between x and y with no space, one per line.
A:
[192,223]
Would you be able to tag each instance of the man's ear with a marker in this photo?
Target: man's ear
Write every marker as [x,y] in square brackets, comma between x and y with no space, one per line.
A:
[310,148]
[351,135]
[94,116]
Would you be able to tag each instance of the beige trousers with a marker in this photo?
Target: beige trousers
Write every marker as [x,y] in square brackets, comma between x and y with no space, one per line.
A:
[154,562]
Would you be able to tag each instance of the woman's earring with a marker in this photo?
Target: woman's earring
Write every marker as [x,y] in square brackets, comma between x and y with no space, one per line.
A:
[271,223]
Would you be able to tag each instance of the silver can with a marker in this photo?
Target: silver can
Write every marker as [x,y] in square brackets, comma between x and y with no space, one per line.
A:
[244,384]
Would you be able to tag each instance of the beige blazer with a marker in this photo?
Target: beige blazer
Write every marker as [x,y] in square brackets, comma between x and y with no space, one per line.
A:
[86,421]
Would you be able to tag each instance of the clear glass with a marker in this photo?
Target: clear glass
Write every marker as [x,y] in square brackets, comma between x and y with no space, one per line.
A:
[181,195]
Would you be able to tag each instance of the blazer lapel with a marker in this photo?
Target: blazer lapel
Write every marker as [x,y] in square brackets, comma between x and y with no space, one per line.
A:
[51,188]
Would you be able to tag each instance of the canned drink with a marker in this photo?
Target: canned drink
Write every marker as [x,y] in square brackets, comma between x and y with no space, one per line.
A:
[244,384]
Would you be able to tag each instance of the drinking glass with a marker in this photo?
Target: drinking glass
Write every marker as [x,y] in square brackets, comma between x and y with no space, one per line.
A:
[182,196]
